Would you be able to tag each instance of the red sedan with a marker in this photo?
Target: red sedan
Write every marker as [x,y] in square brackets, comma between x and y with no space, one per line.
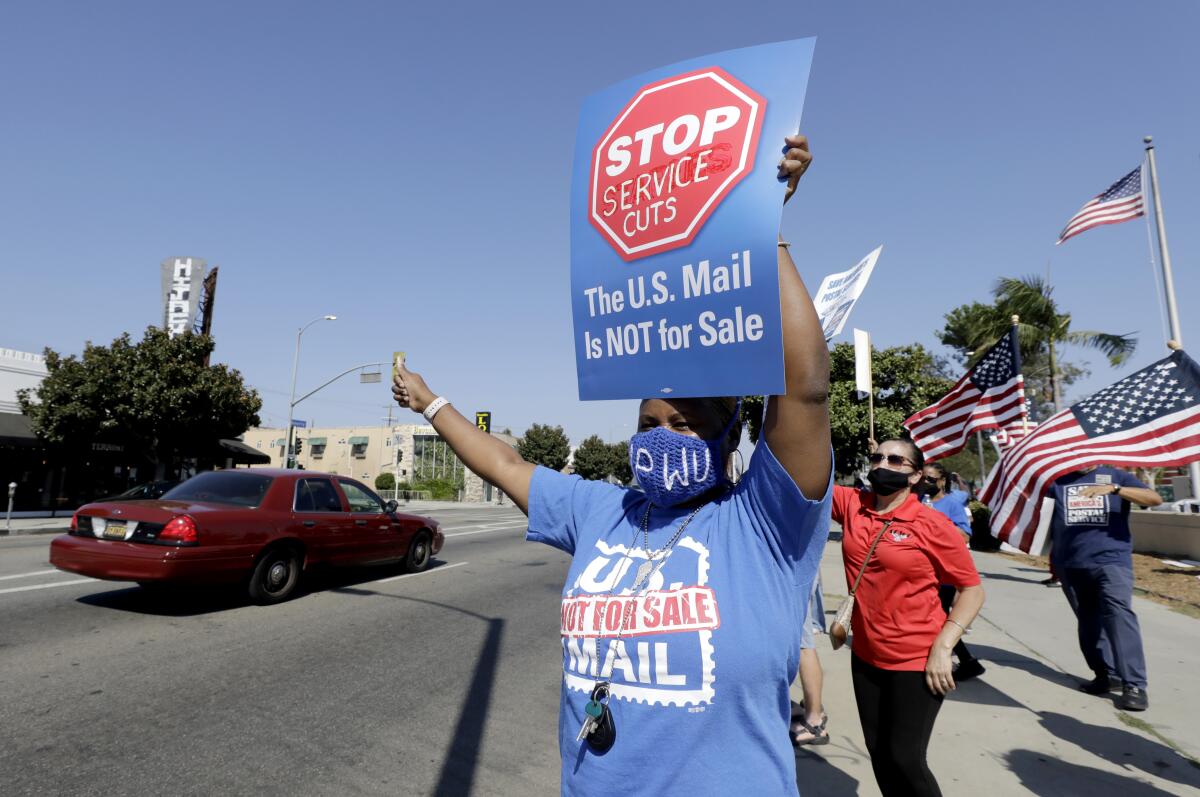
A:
[263,527]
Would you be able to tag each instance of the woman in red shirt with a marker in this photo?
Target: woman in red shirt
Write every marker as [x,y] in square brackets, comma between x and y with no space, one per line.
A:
[901,637]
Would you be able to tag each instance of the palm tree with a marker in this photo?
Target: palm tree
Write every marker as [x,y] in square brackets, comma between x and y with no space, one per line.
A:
[1043,329]
[1043,326]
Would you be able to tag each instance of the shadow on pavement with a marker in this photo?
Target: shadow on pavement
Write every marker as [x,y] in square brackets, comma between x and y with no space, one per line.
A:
[1007,658]
[818,775]
[1006,577]
[982,693]
[189,601]
[1052,777]
[1124,748]
[460,763]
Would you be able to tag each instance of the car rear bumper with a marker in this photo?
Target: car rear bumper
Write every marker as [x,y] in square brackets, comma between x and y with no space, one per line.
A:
[132,561]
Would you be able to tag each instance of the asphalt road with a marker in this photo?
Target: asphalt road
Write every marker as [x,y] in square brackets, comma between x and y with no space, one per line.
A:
[371,682]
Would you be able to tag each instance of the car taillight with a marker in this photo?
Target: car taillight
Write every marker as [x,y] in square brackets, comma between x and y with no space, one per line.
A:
[74,522]
[181,530]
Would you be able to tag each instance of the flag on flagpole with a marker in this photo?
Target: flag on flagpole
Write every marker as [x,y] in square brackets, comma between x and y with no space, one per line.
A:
[1122,201]
[991,395]
[1148,420]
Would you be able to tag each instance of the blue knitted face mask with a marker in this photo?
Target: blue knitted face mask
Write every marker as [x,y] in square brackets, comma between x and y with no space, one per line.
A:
[674,468]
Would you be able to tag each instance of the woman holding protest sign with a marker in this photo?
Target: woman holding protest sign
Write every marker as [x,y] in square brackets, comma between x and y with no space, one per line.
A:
[679,600]
[897,551]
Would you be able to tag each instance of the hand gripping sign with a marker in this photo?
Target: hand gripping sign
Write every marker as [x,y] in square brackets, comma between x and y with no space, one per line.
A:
[675,213]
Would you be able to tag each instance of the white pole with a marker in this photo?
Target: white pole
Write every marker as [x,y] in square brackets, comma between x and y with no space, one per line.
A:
[1168,282]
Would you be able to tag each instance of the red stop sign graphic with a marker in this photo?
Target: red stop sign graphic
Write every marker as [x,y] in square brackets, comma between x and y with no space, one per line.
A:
[669,159]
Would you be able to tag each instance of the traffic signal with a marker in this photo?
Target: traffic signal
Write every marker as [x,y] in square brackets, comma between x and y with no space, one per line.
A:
[299,446]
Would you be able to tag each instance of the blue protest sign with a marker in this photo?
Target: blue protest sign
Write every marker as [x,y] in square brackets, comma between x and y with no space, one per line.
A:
[675,209]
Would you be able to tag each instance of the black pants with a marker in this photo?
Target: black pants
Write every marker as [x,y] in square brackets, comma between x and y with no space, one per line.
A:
[947,593]
[897,711]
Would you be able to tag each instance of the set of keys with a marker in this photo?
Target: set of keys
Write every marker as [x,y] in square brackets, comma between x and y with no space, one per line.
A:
[598,728]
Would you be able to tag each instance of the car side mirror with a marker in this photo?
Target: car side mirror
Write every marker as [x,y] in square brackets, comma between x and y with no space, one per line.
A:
[391,506]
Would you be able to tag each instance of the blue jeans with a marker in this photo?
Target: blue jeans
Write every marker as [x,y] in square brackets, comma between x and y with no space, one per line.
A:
[1109,636]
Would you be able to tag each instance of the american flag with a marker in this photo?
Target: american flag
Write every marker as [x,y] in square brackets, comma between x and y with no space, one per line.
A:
[1147,420]
[1122,201]
[991,395]
[1008,437]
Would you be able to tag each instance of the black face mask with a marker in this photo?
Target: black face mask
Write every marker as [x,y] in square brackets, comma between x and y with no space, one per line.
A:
[926,487]
[885,481]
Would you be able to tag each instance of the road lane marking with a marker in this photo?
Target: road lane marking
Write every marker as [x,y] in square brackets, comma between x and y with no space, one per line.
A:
[485,531]
[46,572]
[48,586]
[414,575]
[505,523]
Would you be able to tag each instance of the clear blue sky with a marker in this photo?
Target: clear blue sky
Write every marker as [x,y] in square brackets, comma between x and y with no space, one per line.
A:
[406,167]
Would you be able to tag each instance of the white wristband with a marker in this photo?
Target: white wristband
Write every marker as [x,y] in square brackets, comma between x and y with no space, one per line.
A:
[434,406]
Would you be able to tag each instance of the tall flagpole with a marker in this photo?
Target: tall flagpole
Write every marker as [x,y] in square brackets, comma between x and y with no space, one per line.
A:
[1168,281]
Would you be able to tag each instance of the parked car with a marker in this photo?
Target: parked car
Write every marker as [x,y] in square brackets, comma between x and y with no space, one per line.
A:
[141,492]
[261,527]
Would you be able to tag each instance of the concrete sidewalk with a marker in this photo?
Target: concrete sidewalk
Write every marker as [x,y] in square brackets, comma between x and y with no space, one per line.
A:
[1024,727]
[37,525]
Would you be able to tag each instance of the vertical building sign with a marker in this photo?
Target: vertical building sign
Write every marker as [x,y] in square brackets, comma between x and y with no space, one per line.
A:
[181,281]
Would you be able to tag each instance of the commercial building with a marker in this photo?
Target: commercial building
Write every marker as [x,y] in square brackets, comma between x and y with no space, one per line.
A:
[410,452]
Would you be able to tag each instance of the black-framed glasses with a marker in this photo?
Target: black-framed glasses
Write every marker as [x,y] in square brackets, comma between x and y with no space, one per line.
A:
[895,460]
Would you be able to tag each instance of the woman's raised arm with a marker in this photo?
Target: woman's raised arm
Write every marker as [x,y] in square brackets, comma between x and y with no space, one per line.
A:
[796,426]
[491,459]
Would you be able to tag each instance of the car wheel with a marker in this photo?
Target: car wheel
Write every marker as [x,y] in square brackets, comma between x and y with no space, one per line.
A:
[420,551]
[276,575]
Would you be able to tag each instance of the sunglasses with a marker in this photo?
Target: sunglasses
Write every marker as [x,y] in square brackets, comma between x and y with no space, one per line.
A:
[895,460]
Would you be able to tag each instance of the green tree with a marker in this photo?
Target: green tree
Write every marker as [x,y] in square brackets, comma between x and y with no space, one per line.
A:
[545,445]
[158,398]
[618,454]
[1044,329]
[907,379]
[385,481]
[593,460]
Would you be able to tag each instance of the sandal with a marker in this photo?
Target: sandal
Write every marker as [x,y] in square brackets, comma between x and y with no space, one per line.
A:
[818,733]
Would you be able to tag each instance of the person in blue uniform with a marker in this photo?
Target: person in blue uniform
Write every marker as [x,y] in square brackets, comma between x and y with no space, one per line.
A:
[1093,555]
[681,613]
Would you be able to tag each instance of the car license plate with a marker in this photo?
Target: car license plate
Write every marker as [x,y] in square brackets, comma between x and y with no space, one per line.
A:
[114,530]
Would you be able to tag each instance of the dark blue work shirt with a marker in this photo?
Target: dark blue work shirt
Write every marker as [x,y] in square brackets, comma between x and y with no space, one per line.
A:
[1091,531]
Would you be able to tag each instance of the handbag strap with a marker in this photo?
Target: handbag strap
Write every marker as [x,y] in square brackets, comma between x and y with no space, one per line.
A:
[866,561]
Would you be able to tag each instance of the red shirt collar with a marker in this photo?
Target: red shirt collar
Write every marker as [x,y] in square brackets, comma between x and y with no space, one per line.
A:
[907,510]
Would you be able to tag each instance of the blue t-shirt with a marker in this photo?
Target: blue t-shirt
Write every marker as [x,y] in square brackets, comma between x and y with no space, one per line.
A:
[1091,531]
[954,506]
[700,678]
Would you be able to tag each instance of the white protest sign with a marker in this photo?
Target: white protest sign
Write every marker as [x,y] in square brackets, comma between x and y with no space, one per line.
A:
[838,293]
[862,361]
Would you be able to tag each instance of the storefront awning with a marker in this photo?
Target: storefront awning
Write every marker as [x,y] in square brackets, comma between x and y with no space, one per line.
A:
[359,441]
[243,454]
[316,441]
[16,431]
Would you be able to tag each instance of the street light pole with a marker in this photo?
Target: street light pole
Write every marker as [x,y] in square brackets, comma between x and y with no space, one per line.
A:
[289,459]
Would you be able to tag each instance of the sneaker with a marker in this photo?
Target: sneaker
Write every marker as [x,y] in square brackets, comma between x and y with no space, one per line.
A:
[1133,698]
[966,670]
[1051,582]
[1102,684]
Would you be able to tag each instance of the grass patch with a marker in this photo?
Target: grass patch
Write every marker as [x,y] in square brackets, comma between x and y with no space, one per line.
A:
[1145,727]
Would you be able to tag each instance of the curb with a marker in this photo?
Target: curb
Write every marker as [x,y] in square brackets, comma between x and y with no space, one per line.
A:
[32,532]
